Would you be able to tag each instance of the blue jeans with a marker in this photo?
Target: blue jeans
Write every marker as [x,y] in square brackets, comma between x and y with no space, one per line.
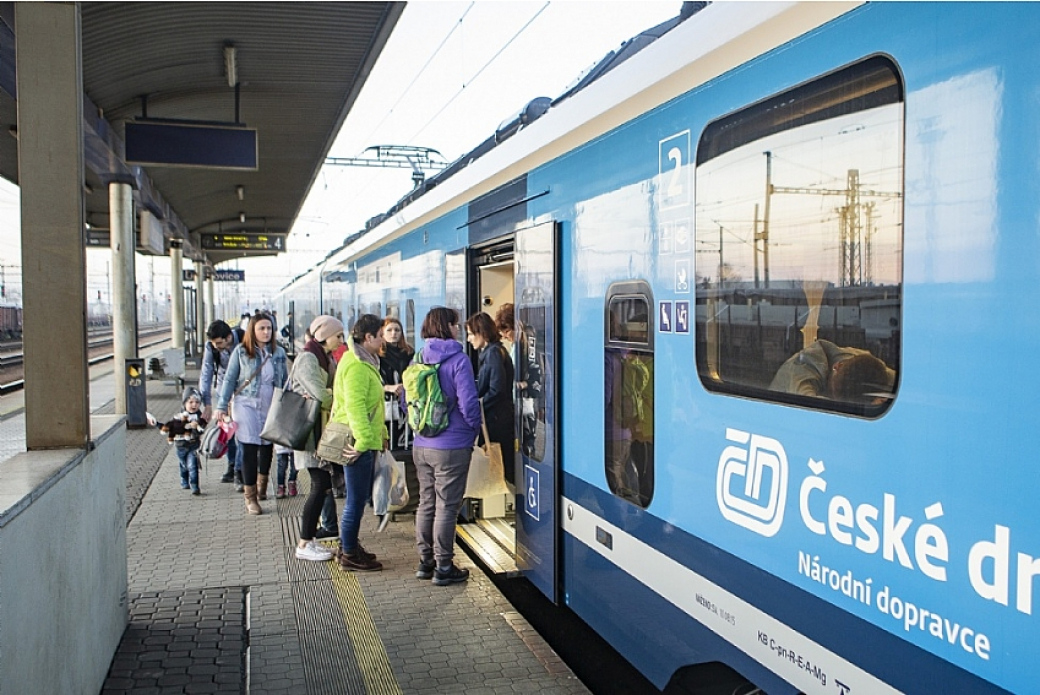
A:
[359,489]
[286,461]
[188,455]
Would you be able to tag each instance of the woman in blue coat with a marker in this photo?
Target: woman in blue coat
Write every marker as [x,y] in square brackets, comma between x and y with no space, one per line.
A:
[255,369]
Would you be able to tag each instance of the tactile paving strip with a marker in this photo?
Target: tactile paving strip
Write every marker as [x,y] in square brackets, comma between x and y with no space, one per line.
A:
[342,650]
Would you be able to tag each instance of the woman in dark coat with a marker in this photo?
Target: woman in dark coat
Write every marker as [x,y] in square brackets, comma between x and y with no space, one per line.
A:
[494,385]
[395,356]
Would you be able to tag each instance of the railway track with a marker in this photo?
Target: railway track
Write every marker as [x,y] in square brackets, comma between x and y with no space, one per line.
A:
[98,350]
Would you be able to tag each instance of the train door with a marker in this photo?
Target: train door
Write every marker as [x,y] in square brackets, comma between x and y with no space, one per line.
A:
[538,469]
[489,528]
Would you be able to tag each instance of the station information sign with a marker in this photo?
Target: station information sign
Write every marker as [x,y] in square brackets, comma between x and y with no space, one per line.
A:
[243,242]
[188,275]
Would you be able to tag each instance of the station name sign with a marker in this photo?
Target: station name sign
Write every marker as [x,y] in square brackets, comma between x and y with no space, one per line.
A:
[188,275]
[243,242]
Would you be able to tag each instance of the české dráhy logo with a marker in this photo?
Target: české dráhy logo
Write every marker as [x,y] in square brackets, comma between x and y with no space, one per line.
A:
[751,486]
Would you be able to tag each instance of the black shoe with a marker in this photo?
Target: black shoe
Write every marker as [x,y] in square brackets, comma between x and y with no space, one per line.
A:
[452,575]
[326,533]
[357,563]
[196,491]
[227,478]
[425,570]
[364,553]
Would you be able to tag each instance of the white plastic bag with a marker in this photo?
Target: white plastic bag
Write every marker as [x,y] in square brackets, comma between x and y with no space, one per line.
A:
[398,486]
[389,486]
[381,482]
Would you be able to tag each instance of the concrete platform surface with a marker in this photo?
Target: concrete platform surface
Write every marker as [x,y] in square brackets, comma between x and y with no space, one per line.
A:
[219,604]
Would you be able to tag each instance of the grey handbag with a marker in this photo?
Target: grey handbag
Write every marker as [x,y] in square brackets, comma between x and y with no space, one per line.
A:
[291,419]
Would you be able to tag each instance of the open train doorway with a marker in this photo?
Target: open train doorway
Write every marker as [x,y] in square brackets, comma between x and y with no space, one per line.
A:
[488,520]
[517,533]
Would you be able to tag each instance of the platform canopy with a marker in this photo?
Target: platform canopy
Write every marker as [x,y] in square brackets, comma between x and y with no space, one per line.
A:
[159,81]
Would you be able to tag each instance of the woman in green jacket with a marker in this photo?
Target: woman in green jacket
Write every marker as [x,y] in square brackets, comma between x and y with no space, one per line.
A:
[358,402]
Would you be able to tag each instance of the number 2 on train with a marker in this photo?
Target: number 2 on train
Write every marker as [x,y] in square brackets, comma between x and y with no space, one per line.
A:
[673,156]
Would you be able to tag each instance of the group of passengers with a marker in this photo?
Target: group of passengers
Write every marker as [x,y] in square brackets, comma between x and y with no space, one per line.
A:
[358,378]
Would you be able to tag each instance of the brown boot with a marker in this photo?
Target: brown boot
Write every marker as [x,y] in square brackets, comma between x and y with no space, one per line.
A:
[252,506]
[261,486]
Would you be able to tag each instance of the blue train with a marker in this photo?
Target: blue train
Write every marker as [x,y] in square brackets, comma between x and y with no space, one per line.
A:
[774,274]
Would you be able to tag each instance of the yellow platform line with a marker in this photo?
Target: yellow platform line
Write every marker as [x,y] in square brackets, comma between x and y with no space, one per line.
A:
[373,661]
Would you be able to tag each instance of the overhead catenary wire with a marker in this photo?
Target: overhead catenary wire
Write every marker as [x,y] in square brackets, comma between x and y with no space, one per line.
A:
[429,61]
[477,74]
[371,181]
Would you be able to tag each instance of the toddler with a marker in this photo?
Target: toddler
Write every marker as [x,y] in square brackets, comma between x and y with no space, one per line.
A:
[183,431]
[286,462]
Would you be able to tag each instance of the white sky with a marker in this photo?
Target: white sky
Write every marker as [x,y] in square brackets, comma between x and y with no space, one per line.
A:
[450,73]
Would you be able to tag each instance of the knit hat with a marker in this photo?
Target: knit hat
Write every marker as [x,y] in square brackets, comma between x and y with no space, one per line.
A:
[324,327]
[191,392]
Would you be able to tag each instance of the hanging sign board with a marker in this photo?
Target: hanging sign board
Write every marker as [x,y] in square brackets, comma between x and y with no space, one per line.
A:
[243,242]
[190,145]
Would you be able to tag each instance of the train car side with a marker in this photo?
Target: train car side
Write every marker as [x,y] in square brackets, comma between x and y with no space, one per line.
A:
[709,512]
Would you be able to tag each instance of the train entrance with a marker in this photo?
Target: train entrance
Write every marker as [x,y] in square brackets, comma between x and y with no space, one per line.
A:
[514,530]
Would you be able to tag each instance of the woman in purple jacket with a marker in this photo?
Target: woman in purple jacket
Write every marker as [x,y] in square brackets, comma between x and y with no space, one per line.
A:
[442,461]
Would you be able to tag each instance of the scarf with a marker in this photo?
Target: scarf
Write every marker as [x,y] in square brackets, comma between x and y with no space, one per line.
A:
[314,347]
[364,355]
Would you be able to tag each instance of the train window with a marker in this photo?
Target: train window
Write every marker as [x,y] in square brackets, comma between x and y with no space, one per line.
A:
[393,309]
[628,386]
[530,373]
[799,244]
[409,321]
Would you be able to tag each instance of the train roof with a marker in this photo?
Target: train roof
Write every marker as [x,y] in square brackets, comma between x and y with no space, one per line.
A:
[692,57]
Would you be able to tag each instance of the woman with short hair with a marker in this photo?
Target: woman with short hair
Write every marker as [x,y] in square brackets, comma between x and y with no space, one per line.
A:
[442,461]
[358,402]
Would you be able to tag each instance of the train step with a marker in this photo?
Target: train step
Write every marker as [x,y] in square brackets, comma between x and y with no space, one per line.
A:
[492,543]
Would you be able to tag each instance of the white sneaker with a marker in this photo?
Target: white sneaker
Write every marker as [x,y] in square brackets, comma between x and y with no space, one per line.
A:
[313,552]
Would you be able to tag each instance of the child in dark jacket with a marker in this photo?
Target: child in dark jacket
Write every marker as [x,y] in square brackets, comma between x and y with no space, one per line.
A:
[183,431]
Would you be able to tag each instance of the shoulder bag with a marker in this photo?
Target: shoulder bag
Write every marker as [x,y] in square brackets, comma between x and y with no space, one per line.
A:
[291,418]
[337,444]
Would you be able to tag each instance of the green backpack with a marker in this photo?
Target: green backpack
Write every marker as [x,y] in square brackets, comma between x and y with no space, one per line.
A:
[428,408]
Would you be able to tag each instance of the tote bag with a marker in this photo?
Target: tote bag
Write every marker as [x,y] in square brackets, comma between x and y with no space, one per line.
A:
[487,474]
[291,419]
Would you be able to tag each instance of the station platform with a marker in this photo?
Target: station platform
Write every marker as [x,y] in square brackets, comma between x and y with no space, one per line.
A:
[219,603]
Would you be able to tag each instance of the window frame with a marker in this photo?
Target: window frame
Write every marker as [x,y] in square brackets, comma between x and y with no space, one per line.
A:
[754,118]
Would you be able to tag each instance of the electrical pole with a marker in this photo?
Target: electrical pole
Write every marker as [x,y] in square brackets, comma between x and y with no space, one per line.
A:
[765,217]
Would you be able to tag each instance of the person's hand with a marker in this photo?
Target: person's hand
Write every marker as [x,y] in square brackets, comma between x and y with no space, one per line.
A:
[206,412]
[220,416]
[396,389]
